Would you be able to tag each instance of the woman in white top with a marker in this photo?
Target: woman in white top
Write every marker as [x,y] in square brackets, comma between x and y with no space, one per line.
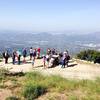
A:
[31,53]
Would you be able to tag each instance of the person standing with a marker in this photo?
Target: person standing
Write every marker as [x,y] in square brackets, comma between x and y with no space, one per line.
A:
[19,56]
[6,56]
[67,57]
[47,59]
[33,60]
[31,53]
[63,60]
[24,55]
[38,52]
[13,56]
[44,61]
[34,56]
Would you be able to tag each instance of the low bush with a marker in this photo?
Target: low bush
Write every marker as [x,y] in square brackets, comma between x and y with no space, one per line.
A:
[2,73]
[12,98]
[89,55]
[32,91]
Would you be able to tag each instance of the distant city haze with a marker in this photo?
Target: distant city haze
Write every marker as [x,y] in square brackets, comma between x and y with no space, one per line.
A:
[81,16]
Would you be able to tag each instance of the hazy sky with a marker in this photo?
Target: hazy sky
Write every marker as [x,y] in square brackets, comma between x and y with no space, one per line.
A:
[50,15]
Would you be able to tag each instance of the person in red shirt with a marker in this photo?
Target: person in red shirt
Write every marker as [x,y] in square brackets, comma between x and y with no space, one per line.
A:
[38,52]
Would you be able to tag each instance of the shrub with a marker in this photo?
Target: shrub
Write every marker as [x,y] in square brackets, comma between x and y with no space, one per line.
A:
[89,55]
[2,73]
[32,91]
[12,98]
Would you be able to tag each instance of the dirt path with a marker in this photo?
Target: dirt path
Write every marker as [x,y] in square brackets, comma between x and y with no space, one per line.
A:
[76,69]
[4,93]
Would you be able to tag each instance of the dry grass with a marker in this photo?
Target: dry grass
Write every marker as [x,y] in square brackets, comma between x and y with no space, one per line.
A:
[34,85]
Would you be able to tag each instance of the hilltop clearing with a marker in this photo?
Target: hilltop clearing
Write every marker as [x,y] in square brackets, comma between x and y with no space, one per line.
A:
[77,69]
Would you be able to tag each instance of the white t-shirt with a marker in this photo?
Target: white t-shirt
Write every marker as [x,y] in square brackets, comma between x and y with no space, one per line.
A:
[31,50]
[47,56]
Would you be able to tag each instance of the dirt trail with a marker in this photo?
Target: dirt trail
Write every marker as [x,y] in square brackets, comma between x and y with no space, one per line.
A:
[76,69]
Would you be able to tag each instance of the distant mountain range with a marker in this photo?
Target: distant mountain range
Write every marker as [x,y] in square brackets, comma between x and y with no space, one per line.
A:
[74,43]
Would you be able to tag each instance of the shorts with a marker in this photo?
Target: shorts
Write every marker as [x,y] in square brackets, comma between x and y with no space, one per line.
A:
[34,54]
[31,54]
[24,55]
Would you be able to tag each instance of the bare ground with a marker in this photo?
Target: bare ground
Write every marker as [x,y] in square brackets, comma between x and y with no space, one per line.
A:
[77,69]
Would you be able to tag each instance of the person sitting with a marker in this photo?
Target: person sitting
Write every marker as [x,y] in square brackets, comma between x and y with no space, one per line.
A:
[51,62]
[53,51]
[48,51]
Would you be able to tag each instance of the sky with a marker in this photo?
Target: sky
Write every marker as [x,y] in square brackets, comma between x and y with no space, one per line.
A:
[50,15]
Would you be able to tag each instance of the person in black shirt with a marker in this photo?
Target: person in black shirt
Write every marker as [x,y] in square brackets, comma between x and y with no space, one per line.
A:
[6,56]
[13,56]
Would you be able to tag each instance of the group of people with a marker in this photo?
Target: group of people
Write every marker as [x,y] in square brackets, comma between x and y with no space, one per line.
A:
[50,59]
[16,55]
[54,58]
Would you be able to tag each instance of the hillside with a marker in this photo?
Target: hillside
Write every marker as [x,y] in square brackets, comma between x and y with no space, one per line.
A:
[77,82]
